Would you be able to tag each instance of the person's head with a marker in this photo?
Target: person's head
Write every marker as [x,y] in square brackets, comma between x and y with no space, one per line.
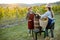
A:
[48,7]
[30,9]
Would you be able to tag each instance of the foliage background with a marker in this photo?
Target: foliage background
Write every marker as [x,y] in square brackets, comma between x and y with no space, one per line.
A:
[12,13]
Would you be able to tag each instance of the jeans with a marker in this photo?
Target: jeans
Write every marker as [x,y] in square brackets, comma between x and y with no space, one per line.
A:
[51,31]
[30,31]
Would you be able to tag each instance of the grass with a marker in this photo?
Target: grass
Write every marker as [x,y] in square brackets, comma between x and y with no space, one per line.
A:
[20,32]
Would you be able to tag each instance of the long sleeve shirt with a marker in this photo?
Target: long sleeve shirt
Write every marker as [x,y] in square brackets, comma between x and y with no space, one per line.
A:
[47,14]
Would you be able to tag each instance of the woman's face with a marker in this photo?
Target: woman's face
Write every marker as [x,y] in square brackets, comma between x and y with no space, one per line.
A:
[46,8]
[31,9]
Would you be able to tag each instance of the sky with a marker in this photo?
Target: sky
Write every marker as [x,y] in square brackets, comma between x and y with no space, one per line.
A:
[26,1]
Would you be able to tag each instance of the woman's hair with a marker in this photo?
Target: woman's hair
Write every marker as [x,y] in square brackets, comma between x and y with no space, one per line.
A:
[29,8]
[50,9]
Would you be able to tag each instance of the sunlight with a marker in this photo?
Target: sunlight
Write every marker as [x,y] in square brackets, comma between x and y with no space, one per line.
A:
[26,1]
[12,5]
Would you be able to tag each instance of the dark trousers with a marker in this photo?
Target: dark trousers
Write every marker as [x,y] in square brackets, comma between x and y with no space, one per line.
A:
[51,31]
[47,34]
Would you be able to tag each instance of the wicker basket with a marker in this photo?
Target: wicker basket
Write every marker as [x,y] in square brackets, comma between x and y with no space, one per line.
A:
[43,22]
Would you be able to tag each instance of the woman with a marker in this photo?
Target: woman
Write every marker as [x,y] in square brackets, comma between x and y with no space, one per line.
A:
[51,20]
[30,18]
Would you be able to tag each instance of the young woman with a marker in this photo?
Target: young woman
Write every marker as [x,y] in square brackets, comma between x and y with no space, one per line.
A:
[30,18]
[51,20]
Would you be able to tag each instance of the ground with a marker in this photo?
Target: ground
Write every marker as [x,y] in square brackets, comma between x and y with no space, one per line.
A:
[20,32]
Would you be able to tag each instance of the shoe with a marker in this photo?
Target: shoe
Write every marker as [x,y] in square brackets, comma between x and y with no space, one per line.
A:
[29,34]
[47,38]
[51,38]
